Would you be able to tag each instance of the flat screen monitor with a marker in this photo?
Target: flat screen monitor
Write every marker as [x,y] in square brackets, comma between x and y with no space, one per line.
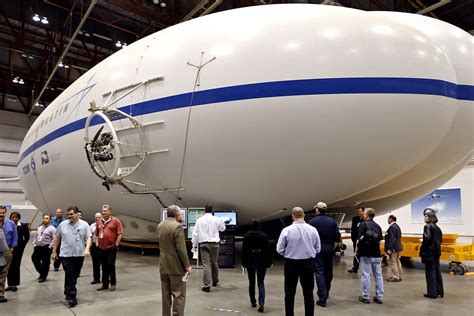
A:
[194,213]
[190,230]
[184,213]
[226,215]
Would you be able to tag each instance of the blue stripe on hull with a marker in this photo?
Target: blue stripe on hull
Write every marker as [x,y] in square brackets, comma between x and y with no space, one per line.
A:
[288,88]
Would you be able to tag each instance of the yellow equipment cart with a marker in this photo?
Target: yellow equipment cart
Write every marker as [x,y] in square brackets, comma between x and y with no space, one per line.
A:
[450,251]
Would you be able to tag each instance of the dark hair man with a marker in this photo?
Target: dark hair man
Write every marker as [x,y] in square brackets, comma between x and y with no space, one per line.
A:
[368,248]
[55,221]
[393,247]
[74,237]
[330,237]
[206,237]
[299,243]
[174,263]
[43,244]
[356,220]
[11,238]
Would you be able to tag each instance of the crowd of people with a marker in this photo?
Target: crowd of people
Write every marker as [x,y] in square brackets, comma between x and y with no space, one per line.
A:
[308,250]
[66,242]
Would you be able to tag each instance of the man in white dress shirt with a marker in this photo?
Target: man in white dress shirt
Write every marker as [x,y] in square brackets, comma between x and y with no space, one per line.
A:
[206,236]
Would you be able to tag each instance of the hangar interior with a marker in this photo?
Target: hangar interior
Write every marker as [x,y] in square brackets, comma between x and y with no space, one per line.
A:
[38,61]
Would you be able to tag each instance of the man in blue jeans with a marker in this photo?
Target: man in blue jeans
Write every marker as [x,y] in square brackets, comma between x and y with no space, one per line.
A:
[368,248]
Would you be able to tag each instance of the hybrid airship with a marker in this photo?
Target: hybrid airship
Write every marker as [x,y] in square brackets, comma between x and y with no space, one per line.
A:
[258,110]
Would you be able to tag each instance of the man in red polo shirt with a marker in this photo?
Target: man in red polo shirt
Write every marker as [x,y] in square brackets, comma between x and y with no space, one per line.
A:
[109,233]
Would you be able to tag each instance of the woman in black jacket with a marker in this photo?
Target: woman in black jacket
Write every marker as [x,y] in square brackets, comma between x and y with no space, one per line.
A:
[23,238]
[256,257]
[430,252]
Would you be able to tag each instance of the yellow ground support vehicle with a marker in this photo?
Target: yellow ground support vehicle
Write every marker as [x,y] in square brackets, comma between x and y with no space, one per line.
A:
[450,251]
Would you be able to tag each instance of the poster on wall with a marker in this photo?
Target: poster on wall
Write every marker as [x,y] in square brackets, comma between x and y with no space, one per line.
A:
[446,203]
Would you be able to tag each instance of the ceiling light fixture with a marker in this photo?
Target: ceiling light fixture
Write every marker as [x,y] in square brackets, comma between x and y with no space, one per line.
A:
[36,18]
[44,20]
[18,80]
[118,44]
[61,64]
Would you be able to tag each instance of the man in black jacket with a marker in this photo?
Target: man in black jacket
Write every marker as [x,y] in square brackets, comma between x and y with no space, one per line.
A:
[330,237]
[368,248]
[393,247]
[256,257]
[356,220]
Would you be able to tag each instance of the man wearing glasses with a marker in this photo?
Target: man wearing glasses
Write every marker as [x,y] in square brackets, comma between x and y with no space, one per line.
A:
[109,234]
[74,237]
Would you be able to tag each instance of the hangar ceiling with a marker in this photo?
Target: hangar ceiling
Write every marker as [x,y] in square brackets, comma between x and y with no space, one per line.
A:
[35,33]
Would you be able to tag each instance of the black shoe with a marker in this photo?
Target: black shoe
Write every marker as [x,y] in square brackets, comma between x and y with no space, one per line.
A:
[364,300]
[41,280]
[254,305]
[72,302]
[14,288]
[430,296]
[95,282]
[352,270]
[215,283]
[260,309]
[3,299]
[321,304]
[9,288]
[378,300]
[206,289]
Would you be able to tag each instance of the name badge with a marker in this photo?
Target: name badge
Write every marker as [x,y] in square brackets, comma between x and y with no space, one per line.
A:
[78,237]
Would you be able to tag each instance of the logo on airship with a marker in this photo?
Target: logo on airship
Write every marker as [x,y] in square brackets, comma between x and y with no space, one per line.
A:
[33,164]
[44,157]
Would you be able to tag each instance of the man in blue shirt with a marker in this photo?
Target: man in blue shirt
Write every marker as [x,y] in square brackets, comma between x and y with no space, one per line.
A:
[55,221]
[11,237]
[330,237]
[74,237]
[299,243]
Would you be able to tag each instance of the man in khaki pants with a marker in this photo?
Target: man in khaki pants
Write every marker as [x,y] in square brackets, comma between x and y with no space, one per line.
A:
[206,237]
[393,247]
[174,262]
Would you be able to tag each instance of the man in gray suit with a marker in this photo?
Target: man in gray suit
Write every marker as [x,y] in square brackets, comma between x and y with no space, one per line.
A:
[393,247]
[174,262]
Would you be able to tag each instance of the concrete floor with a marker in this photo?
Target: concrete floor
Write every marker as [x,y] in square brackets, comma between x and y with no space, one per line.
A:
[138,291]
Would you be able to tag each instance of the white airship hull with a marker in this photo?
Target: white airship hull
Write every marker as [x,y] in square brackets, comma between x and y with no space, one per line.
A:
[295,108]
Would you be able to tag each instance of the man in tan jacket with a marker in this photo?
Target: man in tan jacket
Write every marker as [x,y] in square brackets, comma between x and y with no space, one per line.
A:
[174,262]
